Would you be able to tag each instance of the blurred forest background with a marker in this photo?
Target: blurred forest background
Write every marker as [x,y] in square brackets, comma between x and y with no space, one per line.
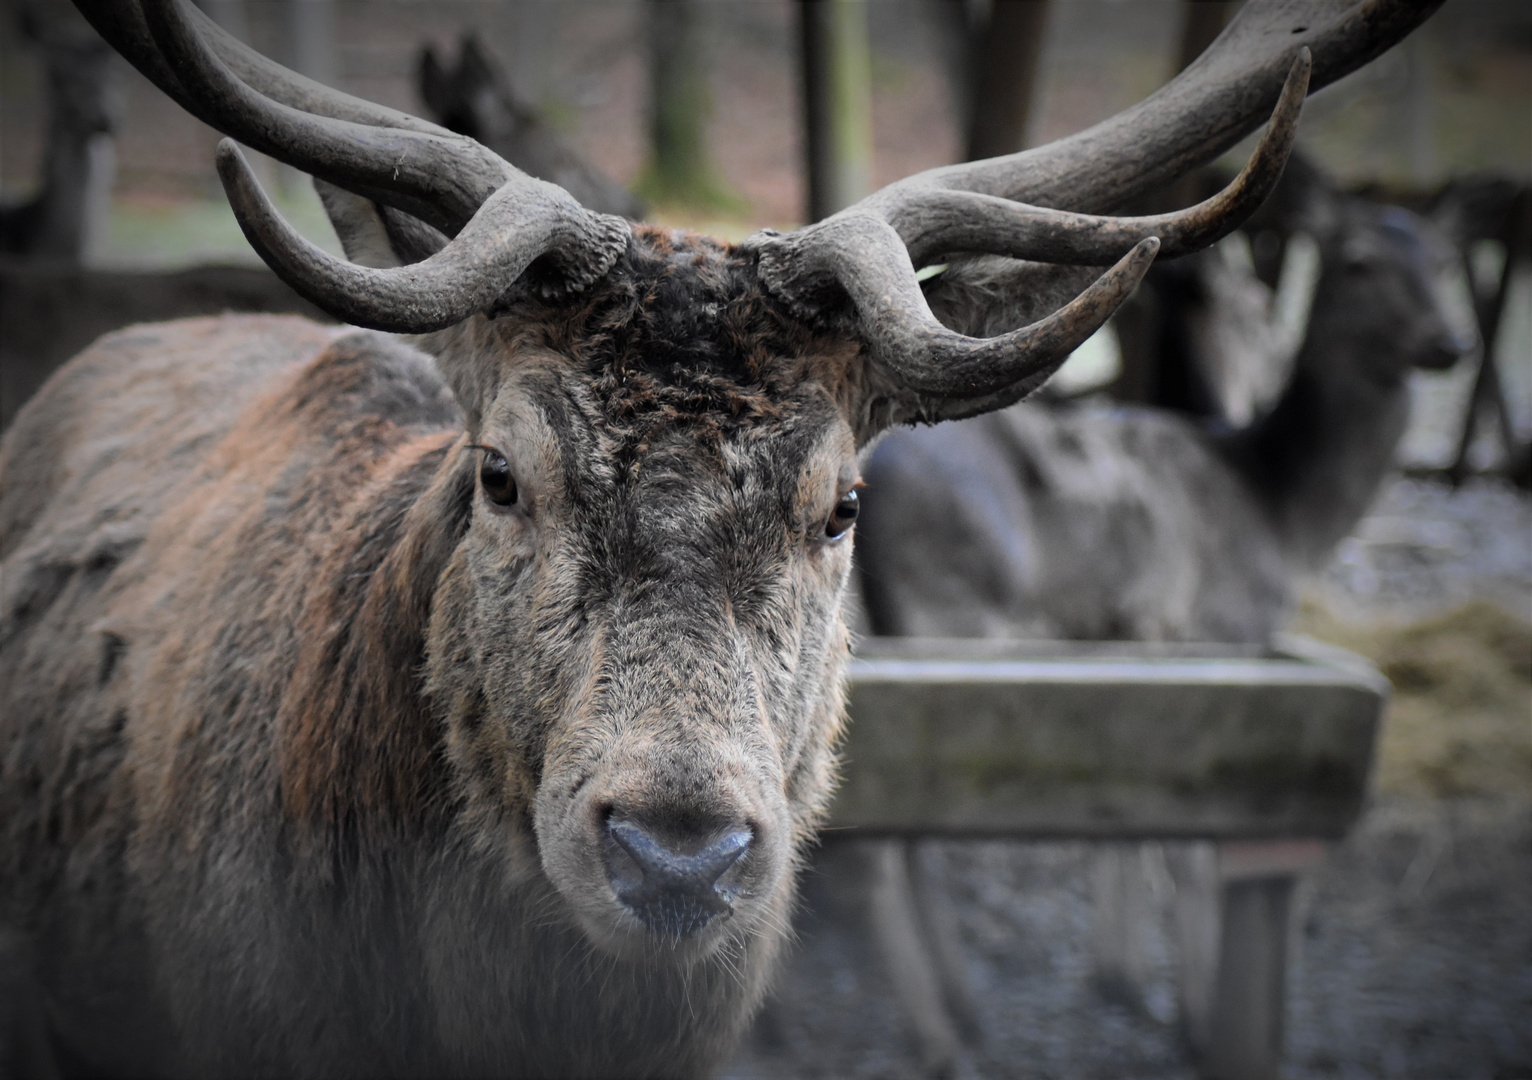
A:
[1453,98]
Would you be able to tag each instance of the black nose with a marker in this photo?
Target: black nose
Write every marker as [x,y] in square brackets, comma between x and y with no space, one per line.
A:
[673,891]
[1444,350]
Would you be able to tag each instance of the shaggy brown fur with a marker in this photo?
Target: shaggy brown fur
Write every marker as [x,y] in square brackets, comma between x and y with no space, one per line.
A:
[307,743]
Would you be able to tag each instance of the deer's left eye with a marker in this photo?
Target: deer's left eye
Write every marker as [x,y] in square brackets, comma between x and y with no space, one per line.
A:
[495,476]
[844,515]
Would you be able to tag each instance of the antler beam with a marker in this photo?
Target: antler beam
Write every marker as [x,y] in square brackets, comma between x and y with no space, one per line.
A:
[870,251]
[1041,204]
[517,224]
[934,222]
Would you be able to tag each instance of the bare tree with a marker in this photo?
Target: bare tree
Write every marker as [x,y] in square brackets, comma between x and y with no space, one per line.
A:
[73,196]
[837,103]
[1006,47]
[681,169]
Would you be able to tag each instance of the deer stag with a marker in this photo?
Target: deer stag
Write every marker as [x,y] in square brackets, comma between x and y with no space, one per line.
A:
[463,706]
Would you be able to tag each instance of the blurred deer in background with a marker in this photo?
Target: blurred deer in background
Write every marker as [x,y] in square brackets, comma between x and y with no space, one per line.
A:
[78,166]
[1088,521]
[464,705]
[1083,521]
[474,97]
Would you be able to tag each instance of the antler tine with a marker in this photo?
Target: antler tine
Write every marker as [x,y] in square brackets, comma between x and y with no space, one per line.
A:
[934,222]
[953,367]
[863,255]
[472,273]
[400,165]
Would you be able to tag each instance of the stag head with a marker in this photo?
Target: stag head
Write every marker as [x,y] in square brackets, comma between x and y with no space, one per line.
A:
[636,644]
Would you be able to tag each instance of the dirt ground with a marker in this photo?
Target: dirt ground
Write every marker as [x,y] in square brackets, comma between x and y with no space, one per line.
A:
[1412,957]
[1412,947]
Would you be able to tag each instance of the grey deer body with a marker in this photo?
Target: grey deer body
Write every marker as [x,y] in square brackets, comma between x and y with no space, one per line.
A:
[463,705]
[1108,522]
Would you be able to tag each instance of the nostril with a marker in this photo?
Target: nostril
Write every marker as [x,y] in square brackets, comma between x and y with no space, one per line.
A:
[1463,342]
[1444,351]
[670,888]
[662,864]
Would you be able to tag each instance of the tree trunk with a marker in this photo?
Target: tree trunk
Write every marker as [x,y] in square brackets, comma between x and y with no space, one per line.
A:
[311,33]
[837,99]
[1205,20]
[1005,56]
[680,168]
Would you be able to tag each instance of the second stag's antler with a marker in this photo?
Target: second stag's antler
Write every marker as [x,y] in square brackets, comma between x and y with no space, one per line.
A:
[1039,205]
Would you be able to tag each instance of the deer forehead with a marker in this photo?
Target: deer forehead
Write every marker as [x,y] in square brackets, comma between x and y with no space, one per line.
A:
[572,442]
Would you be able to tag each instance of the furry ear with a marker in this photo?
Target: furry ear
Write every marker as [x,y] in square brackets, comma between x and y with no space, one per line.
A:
[434,82]
[374,235]
[987,295]
[359,225]
[381,236]
[469,355]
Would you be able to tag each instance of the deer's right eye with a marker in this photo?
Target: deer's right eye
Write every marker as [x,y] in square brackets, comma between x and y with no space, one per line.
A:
[843,517]
[495,477]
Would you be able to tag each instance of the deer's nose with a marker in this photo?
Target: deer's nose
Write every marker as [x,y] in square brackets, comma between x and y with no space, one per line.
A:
[672,886]
[1445,349]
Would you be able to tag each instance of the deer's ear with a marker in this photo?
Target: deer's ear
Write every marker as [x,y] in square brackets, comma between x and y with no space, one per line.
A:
[359,224]
[979,296]
[434,82]
[377,236]
[988,295]
[469,356]
[381,236]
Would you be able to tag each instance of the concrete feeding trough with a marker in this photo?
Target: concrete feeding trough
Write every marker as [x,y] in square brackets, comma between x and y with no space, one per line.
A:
[1265,752]
[1107,739]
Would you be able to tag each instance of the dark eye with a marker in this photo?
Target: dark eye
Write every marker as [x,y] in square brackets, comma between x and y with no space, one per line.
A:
[495,475]
[844,515]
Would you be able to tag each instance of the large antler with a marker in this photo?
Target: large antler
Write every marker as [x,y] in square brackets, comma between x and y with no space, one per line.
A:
[501,220]
[1029,205]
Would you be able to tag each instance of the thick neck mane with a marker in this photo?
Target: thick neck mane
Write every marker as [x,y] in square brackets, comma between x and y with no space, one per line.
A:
[355,737]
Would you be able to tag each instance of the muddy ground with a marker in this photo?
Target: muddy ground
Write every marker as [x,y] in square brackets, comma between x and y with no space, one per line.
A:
[1412,945]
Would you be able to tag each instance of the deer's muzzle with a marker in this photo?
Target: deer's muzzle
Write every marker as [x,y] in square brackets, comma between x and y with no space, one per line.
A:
[675,884]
